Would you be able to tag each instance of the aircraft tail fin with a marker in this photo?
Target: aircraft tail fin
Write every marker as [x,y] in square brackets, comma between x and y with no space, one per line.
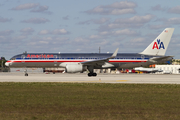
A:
[160,44]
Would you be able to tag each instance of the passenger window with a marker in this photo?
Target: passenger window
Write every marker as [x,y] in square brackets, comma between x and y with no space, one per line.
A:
[13,58]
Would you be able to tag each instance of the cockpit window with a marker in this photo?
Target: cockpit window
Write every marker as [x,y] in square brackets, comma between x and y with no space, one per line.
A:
[13,58]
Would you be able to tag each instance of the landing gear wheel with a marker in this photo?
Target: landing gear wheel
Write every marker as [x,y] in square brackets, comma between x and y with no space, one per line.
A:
[89,74]
[92,74]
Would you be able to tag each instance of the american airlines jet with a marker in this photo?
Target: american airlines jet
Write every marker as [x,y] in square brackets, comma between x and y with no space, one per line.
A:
[79,62]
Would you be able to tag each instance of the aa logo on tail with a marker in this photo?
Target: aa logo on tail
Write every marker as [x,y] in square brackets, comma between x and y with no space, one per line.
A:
[158,45]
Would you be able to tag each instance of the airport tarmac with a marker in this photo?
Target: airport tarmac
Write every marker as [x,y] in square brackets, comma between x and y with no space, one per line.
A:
[100,78]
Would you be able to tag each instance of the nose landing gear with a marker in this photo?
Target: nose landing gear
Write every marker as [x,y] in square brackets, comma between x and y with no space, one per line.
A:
[25,72]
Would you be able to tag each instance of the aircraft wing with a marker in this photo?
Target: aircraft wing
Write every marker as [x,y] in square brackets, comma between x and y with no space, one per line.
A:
[101,61]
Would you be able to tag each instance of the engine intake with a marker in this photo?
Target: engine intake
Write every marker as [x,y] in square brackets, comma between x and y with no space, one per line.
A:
[74,68]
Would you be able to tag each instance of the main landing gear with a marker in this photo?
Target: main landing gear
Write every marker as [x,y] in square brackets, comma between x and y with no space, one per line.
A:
[92,74]
[91,70]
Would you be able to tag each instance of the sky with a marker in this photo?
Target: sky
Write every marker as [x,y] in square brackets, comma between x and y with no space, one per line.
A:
[82,26]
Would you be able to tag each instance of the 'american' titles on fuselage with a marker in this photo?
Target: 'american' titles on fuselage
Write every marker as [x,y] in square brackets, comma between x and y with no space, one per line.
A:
[40,56]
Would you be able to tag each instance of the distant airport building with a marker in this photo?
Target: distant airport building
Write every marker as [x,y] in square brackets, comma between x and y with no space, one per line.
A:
[168,69]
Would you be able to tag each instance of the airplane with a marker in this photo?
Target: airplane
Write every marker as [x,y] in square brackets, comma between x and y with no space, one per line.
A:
[79,62]
[148,70]
[167,72]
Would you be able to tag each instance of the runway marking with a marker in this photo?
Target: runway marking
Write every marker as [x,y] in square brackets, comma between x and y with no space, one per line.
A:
[82,81]
[97,81]
[121,80]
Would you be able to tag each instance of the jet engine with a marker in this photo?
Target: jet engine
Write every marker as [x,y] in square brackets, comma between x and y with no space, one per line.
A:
[73,68]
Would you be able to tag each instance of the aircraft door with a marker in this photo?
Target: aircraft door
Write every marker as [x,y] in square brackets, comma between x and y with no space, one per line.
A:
[23,58]
[55,60]
[142,58]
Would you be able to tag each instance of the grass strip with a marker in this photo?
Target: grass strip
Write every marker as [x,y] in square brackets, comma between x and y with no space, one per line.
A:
[89,101]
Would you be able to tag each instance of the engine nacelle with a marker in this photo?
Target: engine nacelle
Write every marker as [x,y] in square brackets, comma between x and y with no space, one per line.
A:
[73,68]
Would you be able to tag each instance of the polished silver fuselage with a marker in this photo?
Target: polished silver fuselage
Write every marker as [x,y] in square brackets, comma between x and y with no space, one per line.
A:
[46,60]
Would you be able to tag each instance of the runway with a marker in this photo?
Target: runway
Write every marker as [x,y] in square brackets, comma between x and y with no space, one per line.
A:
[83,78]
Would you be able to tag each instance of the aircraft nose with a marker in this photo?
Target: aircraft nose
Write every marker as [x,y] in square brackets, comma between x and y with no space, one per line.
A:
[7,64]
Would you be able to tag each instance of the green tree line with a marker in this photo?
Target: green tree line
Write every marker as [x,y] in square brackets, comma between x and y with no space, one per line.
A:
[2,62]
[3,68]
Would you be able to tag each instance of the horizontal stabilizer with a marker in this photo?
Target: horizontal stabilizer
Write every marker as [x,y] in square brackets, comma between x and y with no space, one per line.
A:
[155,59]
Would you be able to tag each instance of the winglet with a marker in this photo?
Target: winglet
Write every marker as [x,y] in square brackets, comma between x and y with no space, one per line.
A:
[101,61]
[114,54]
